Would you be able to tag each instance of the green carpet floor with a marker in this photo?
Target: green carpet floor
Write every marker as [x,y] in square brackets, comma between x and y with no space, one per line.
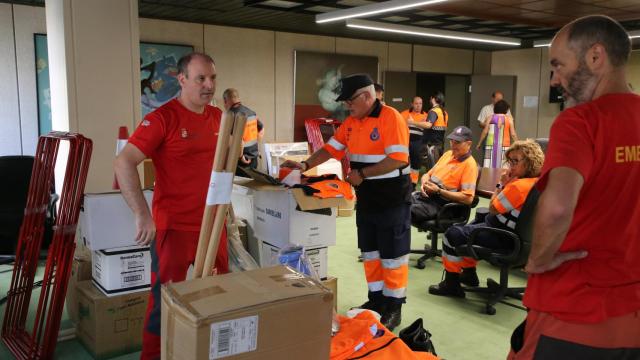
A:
[459,327]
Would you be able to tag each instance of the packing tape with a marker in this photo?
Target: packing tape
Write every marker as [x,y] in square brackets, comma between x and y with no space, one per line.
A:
[220,187]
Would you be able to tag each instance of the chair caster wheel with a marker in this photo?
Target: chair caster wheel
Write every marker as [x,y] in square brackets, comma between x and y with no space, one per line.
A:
[490,310]
[420,264]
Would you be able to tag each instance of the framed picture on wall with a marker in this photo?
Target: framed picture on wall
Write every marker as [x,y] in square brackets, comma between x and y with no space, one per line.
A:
[317,76]
[158,70]
[42,84]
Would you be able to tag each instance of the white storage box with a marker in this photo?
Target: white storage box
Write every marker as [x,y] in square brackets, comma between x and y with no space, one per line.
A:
[318,256]
[106,221]
[121,270]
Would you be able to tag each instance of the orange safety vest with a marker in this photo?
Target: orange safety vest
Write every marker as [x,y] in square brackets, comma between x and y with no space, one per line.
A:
[332,189]
[414,131]
[364,337]
[442,120]
[510,200]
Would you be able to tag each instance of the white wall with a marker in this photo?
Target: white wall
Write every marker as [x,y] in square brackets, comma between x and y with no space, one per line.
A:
[10,139]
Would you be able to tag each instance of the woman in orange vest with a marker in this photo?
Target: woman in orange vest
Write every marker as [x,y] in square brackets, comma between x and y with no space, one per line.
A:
[417,122]
[438,117]
[525,160]
[498,129]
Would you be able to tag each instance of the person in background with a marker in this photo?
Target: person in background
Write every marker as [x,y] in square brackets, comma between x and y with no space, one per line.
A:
[452,179]
[583,290]
[379,92]
[487,110]
[417,122]
[377,139]
[438,118]
[525,160]
[252,129]
[498,130]
[180,137]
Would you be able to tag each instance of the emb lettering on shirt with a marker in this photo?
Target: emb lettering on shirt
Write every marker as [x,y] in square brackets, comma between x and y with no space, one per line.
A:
[628,153]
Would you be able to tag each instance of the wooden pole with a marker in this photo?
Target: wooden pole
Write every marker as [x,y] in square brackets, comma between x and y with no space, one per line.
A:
[219,163]
[221,210]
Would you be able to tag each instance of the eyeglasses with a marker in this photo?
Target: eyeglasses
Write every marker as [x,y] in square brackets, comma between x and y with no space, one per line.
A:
[514,161]
[352,99]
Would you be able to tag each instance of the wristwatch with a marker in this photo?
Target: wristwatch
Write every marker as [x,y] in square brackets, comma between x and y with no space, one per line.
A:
[498,186]
[306,165]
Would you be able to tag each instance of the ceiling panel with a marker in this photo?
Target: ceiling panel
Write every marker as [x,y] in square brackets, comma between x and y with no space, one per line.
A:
[525,19]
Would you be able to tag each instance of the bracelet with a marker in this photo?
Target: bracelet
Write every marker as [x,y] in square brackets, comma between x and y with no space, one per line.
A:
[361,173]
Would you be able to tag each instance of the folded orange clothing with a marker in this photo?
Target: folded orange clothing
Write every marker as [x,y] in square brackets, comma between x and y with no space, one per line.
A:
[364,337]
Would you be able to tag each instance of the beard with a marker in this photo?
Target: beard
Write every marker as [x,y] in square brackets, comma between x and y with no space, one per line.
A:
[580,87]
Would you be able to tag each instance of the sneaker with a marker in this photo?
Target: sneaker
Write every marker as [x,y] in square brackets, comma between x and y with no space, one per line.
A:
[469,277]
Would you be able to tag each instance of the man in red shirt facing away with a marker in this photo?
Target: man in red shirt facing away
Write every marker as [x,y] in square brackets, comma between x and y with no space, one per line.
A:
[180,137]
[584,289]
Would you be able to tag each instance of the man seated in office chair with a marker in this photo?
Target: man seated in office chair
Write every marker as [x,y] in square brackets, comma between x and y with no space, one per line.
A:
[452,179]
[525,160]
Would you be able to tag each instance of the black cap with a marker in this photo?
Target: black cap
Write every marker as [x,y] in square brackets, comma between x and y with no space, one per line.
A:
[378,87]
[461,133]
[350,84]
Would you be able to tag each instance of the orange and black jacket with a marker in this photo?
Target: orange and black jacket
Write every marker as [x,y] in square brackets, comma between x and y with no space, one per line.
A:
[382,134]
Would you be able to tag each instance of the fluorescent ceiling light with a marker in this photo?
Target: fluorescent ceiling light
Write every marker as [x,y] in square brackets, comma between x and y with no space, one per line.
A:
[543,43]
[434,33]
[373,9]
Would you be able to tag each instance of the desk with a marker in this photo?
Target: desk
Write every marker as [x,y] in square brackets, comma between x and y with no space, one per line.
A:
[489,177]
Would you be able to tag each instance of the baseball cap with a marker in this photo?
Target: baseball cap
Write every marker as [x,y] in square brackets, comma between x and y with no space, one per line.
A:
[461,133]
[350,84]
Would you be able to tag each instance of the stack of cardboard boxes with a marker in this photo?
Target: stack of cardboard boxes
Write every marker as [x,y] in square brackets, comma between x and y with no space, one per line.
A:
[108,290]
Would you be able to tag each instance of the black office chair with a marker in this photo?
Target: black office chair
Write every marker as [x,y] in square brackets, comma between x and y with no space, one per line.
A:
[14,187]
[543,142]
[450,214]
[505,259]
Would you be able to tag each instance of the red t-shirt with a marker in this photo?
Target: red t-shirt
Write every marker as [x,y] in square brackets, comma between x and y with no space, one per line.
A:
[601,140]
[181,144]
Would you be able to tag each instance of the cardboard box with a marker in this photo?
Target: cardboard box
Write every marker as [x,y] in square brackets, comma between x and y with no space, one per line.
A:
[275,154]
[107,222]
[80,271]
[267,314]
[122,270]
[318,256]
[110,326]
[285,217]
[331,283]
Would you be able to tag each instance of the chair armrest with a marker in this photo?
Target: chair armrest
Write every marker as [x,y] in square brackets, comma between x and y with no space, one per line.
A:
[490,231]
[453,214]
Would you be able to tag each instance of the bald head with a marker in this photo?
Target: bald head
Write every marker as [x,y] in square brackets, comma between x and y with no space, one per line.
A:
[585,32]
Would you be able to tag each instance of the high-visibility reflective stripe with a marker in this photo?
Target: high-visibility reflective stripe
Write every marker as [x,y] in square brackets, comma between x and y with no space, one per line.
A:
[439,128]
[505,202]
[371,255]
[436,180]
[392,174]
[395,263]
[395,293]
[509,223]
[415,131]
[375,285]
[249,143]
[336,144]
[468,186]
[515,212]
[396,149]
[371,159]
[452,258]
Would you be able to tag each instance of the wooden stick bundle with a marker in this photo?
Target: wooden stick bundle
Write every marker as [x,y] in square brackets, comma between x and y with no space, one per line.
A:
[226,159]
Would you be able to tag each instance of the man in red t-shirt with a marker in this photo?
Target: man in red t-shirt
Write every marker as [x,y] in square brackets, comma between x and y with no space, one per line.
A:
[583,292]
[180,137]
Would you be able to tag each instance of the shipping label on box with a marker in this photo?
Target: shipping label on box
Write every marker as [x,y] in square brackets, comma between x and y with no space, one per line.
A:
[110,326]
[122,270]
[248,315]
[318,257]
[106,221]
